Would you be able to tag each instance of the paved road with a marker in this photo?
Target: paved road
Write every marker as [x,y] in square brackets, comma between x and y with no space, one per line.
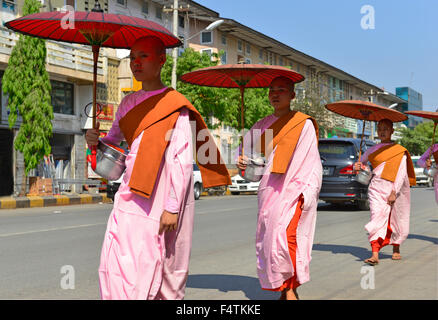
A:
[36,244]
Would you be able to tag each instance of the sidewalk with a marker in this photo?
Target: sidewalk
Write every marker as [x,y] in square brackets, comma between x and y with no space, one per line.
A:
[55,200]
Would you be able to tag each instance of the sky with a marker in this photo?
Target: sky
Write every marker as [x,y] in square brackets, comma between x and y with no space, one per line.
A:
[399,50]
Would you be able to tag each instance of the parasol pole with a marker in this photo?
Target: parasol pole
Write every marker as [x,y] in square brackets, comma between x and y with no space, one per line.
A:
[242,90]
[433,138]
[361,139]
[95,49]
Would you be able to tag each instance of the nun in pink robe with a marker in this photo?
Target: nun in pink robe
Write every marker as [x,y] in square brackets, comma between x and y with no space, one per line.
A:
[278,195]
[422,163]
[136,262]
[378,193]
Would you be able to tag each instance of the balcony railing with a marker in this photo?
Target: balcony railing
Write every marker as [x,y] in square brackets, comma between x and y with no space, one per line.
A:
[73,56]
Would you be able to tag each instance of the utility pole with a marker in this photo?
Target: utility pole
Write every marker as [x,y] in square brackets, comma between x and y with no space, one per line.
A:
[174,50]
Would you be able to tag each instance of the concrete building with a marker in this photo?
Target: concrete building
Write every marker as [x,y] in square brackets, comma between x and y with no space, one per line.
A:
[413,101]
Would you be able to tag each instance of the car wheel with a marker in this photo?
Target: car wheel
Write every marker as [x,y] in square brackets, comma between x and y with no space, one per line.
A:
[430,183]
[363,205]
[197,191]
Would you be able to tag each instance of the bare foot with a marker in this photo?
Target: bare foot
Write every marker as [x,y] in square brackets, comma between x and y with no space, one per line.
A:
[290,294]
[396,253]
[373,260]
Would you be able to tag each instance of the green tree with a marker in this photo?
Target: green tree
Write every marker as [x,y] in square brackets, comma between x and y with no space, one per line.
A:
[27,84]
[418,139]
[219,103]
[311,97]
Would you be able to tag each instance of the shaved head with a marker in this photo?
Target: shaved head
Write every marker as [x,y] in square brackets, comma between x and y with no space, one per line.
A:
[151,41]
[285,81]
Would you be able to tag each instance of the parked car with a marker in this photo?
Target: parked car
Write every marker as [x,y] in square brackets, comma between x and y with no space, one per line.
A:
[197,181]
[339,183]
[239,184]
[113,186]
[419,174]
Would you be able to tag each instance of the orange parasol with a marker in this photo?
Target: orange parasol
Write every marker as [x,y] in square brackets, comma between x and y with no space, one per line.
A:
[366,111]
[240,76]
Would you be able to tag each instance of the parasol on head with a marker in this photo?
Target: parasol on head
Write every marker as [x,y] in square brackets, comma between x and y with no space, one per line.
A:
[366,111]
[427,115]
[94,28]
[240,76]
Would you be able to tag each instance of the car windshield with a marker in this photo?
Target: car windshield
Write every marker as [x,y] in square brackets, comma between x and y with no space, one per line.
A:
[336,150]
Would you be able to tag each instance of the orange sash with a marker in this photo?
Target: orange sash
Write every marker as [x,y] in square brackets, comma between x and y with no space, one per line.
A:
[392,156]
[286,132]
[156,116]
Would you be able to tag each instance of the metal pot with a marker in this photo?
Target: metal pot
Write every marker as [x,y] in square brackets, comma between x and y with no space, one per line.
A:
[110,163]
[254,169]
[363,177]
[431,172]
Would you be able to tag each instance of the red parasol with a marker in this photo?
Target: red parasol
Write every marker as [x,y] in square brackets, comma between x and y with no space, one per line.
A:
[240,76]
[364,110]
[94,28]
[428,115]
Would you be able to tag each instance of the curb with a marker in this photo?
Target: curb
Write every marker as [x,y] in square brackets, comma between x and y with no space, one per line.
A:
[56,200]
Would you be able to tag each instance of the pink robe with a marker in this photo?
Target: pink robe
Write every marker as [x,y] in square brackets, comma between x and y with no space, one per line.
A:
[422,163]
[378,192]
[136,262]
[278,195]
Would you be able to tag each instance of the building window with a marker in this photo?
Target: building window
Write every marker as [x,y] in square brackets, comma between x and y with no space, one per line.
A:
[145,8]
[280,61]
[8,6]
[181,22]
[122,2]
[206,37]
[248,60]
[224,39]
[224,58]
[158,12]
[239,45]
[261,54]
[248,48]
[62,97]
[208,51]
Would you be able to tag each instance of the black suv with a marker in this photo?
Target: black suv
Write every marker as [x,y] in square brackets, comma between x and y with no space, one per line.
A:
[339,184]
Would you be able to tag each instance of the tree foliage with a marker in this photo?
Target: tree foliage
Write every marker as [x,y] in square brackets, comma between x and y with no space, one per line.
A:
[219,103]
[311,98]
[27,84]
[418,139]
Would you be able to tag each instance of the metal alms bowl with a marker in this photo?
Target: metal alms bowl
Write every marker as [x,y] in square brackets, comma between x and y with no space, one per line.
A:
[430,172]
[254,169]
[363,177]
[110,163]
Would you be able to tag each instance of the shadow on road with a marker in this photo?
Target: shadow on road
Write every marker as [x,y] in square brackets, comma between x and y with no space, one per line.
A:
[425,238]
[337,207]
[359,252]
[225,283]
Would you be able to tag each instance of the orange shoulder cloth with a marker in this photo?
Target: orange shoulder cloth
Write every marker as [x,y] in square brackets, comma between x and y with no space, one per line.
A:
[392,156]
[156,116]
[286,132]
[435,156]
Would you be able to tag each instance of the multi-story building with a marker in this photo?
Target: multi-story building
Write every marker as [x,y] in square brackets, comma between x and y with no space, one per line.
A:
[413,101]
